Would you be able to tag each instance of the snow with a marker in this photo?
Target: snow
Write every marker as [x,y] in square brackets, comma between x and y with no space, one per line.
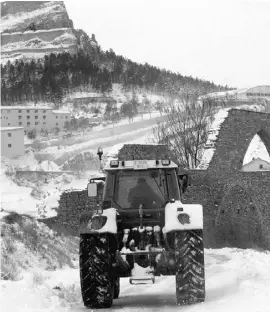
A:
[66,152]
[113,152]
[211,139]
[63,41]
[16,198]
[236,280]
[37,31]
[45,165]
[10,128]
[195,213]
[26,107]
[139,271]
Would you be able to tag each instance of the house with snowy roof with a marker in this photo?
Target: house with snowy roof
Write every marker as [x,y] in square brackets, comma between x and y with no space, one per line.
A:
[257,164]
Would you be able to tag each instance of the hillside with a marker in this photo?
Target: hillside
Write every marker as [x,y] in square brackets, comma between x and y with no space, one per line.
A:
[45,59]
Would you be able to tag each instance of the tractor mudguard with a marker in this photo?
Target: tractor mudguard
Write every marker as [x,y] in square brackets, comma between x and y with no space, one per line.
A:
[92,222]
[183,217]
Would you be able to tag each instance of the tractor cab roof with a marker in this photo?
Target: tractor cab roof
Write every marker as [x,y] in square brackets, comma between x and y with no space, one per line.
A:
[116,164]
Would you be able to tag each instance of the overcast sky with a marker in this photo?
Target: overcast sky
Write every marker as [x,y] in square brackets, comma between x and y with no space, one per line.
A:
[224,41]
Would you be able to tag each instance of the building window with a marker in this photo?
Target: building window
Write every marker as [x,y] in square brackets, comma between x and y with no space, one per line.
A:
[44,117]
[36,123]
[261,166]
[28,111]
[20,123]
[44,111]
[56,117]
[36,111]
[57,124]
[66,117]
[44,123]
[9,135]
[9,145]
[20,117]
[9,124]
[28,117]
[19,110]
[36,117]
[28,124]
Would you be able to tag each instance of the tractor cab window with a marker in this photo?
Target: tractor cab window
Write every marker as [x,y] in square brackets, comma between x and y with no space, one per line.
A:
[148,188]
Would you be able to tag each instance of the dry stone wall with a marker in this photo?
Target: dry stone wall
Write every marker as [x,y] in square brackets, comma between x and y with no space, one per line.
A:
[139,151]
[73,203]
[236,204]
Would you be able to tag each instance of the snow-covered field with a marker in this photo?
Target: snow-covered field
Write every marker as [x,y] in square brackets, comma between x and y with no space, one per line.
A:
[18,198]
[236,280]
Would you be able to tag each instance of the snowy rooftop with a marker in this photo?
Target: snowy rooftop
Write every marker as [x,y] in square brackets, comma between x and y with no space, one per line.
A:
[61,112]
[10,128]
[25,107]
[92,94]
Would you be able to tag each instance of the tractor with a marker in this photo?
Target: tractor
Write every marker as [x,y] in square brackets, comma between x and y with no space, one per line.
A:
[140,229]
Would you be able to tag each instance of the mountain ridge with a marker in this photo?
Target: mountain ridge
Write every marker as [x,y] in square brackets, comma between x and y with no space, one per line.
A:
[34,29]
[44,58]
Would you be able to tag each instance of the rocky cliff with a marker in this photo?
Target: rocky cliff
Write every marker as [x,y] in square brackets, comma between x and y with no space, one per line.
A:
[30,29]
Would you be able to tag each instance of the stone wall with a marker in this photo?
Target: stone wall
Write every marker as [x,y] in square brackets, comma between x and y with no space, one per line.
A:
[73,203]
[139,151]
[236,204]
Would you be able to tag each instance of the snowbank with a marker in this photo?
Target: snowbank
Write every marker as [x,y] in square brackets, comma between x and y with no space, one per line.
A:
[44,166]
[235,280]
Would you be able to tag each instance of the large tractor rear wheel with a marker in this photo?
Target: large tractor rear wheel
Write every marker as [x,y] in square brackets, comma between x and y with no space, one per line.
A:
[96,271]
[189,259]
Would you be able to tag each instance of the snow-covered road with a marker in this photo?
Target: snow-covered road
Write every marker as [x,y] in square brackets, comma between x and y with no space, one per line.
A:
[236,280]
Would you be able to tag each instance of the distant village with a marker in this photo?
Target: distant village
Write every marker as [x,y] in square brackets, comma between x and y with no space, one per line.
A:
[17,121]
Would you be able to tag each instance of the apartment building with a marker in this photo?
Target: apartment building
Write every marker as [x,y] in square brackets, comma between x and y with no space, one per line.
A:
[33,117]
[12,141]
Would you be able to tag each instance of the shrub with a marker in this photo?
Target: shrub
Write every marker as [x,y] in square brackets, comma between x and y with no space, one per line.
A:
[12,218]
[32,134]
[70,293]
[10,270]
[37,192]
[39,278]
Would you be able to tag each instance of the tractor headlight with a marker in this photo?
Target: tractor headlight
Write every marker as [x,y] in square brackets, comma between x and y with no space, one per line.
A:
[97,222]
[183,218]
[114,163]
[165,162]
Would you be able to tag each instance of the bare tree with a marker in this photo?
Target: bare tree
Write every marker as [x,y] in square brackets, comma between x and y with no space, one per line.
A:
[185,129]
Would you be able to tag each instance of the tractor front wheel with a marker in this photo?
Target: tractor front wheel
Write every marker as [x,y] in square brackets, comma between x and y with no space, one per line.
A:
[96,271]
[189,259]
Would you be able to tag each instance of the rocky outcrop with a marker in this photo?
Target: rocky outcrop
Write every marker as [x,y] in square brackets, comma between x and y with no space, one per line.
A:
[32,29]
